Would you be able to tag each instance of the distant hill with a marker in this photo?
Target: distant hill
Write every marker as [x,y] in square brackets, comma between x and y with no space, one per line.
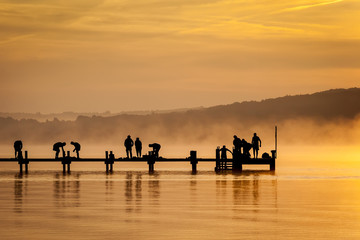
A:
[196,125]
[343,103]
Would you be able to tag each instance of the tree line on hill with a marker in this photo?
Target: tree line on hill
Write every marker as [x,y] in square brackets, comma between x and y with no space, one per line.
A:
[302,116]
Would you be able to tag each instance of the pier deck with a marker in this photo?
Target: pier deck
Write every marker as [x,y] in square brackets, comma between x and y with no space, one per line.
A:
[221,164]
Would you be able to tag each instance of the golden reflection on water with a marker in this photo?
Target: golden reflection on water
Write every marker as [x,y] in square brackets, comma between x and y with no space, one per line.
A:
[66,193]
[20,191]
[177,205]
[308,195]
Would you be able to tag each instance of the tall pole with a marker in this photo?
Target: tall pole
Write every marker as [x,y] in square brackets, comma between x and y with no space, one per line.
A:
[276,140]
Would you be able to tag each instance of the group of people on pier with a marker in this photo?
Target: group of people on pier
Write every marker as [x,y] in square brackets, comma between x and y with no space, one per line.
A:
[60,146]
[242,147]
[129,143]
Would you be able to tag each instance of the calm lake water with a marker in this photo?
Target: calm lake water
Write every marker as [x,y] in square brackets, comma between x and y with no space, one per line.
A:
[297,201]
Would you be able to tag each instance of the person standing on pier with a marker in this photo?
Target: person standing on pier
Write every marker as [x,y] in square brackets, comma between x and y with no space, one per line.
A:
[76,148]
[255,144]
[57,147]
[223,151]
[138,147]
[18,146]
[129,143]
[156,148]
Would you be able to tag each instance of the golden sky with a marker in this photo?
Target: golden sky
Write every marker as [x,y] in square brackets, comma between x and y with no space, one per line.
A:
[98,55]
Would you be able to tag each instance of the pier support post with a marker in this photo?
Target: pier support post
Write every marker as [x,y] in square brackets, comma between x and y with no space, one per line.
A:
[272,164]
[240,166]
[193,161]
[26,162]
[151,163]
[217,156]
[68,161]
[151,158]
[106,160]
[111,160]
[21,162]
[273,157]
[194,167]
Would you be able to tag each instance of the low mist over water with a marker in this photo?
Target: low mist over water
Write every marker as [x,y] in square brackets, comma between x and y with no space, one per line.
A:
[330,117]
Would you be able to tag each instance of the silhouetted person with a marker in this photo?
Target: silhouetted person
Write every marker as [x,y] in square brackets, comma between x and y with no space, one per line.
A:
[17,147]
[111,155]
[255,144]
[129,143]
[156,148]
[76,148]
[246,148]
[138,147]
[223,151]
[237,144]
[57,147]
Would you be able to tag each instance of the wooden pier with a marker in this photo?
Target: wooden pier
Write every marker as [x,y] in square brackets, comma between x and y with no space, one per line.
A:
[110,160]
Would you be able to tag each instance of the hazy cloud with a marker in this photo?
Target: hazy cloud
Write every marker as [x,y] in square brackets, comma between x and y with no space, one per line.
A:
[171,53]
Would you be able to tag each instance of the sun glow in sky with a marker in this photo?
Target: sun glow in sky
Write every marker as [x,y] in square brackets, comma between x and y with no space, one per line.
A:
[97,55]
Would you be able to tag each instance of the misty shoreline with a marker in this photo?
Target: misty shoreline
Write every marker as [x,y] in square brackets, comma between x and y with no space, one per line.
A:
[327,117]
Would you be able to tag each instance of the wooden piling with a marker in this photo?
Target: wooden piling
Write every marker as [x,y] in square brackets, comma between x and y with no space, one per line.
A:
[276,137]
[272,164]
[151,163]
[111,160]
[151,166]
[20,162]
[194,167]
[217,159]
[106,160]
[26,162]
[68,161]
[240,167]
[193,161]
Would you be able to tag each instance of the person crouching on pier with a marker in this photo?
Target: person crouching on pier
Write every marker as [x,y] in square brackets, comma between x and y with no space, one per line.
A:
[76,148]
[246,148]
[18,146]
[129,143]
[57,147]
[237,147]
[156,148]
